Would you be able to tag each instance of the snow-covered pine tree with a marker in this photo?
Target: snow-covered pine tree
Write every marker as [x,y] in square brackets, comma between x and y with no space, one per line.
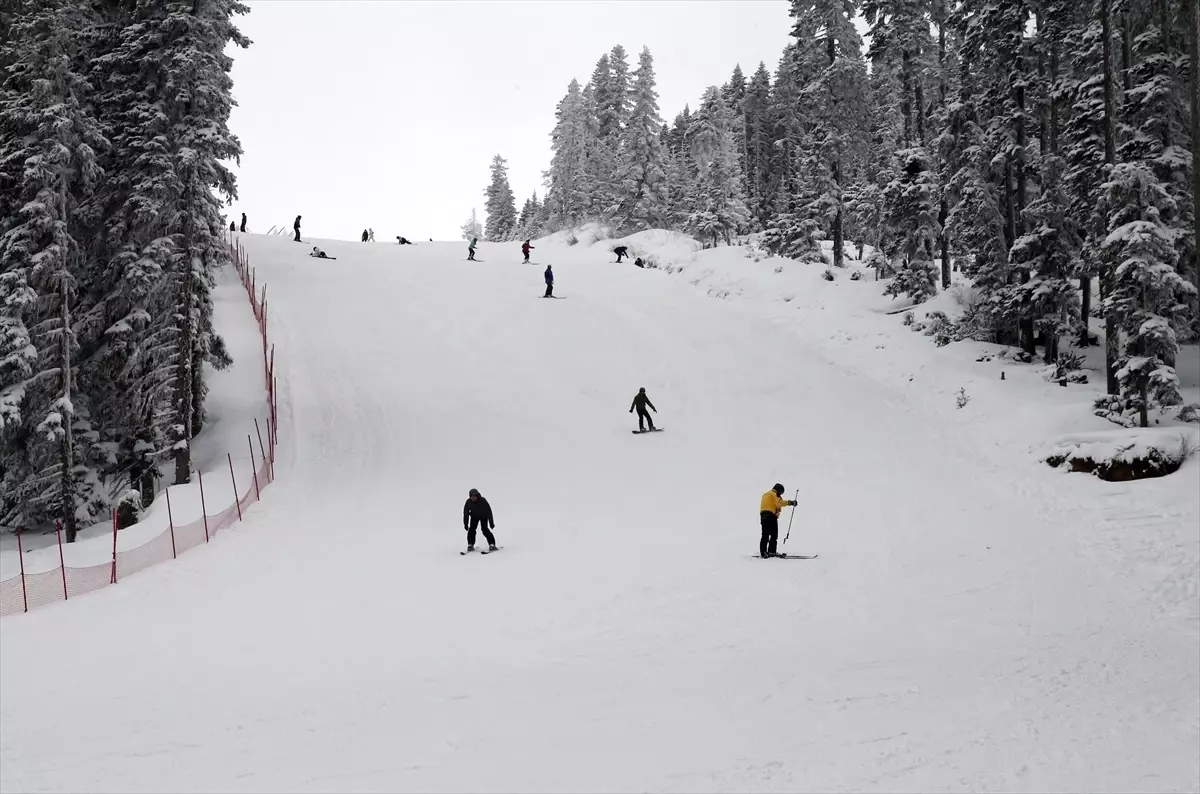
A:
[471,227]
[501,204]
[1147,292]
[45,121]
[568,181]
[643,185]
[758,141]
[912,205]
[837,98]
[720,210]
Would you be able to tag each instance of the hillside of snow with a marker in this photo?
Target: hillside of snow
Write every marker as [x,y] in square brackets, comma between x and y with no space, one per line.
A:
[975,620]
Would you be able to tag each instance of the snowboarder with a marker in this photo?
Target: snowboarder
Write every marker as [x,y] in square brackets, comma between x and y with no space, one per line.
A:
[641,402]
[620,251]
[403,241]
[319,254]
[549,283]
[477,514]
[370,235]
[296,226]
[365,236]
[243,222]
[639,263]
[471,249]
[525,249]
[772,503]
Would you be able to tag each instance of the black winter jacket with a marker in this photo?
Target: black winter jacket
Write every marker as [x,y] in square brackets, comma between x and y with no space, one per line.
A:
[479,511]
[641,401]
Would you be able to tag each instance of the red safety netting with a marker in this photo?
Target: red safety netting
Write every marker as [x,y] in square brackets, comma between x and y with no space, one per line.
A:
[29,590]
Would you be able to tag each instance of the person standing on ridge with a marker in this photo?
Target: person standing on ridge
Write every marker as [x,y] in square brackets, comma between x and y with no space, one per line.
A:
[296,226]
[471,249]
[364,235]
[549,283]
[477,514]
[232,226]
[769,508]
[243,222]
[641,402]
[525,249]
[370,235]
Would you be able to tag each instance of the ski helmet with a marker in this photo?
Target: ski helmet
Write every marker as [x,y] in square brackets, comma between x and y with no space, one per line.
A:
[778,489]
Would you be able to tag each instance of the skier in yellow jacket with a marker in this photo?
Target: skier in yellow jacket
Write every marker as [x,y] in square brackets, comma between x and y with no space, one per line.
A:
[772,503]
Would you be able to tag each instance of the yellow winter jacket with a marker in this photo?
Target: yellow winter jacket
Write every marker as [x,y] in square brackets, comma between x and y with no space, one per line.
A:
[773,503]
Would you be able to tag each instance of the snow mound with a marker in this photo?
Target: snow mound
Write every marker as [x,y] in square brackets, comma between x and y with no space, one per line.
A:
[1126,454]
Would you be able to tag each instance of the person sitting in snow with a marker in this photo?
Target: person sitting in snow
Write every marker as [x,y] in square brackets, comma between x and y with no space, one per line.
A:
[621,251]
[525,249]
[403,241]
[639,263]
[318,253]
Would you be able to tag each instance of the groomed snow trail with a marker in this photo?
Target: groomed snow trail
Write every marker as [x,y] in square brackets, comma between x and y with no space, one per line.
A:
[949,637]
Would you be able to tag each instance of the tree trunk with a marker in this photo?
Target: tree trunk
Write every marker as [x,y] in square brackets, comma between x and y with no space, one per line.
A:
[944,207]
[1112,341]
[1192,13]
[1027,330]
[835,169]
[66,451]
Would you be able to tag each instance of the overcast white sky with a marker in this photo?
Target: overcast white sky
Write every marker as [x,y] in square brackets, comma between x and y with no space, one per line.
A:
[386,113]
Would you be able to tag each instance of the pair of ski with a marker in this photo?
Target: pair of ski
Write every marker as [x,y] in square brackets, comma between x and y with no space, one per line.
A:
[786,557]
[651,430]
[482,551]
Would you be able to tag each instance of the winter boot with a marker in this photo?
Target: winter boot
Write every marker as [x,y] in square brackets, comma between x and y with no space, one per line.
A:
[491,547]
[470,548]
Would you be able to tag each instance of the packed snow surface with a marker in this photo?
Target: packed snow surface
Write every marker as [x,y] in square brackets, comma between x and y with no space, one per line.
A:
[976,621]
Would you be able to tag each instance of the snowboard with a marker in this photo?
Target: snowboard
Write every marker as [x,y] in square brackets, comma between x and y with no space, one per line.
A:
[489,551]
[640,432]
[787,557]
[330,258]
[554,297]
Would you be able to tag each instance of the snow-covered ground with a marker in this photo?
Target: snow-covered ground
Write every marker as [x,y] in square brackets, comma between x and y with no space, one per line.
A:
[975,620]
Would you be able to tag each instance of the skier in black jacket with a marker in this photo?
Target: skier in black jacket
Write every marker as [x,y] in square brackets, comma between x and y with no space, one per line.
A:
[296,226]
[477,514]
[640,401]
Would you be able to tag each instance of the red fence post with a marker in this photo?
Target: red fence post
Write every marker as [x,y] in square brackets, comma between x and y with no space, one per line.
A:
[113,579]
[262,451]
[21,556]
[171,522]
[253,468]
[62,566]
[236,500]
[203,506]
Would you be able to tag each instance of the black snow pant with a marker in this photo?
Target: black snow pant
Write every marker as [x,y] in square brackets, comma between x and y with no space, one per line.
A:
[770,533]
[487,533]
[470,254]
[621,255]
[643,418]
[297,234]
[549,291]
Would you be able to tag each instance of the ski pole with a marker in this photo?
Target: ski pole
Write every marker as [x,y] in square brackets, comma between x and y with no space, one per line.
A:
[795,499]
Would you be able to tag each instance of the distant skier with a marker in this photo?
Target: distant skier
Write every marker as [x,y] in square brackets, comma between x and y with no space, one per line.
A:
[525,249]
[365,236]
[296,226]
[403,241]
[620,251]
[471,249]
[770,506]
[549,283]
[243,222]
[477,514]
[370,235]
[641,402]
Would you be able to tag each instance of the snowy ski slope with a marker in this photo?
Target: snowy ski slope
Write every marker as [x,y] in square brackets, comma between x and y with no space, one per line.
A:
[951,636]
